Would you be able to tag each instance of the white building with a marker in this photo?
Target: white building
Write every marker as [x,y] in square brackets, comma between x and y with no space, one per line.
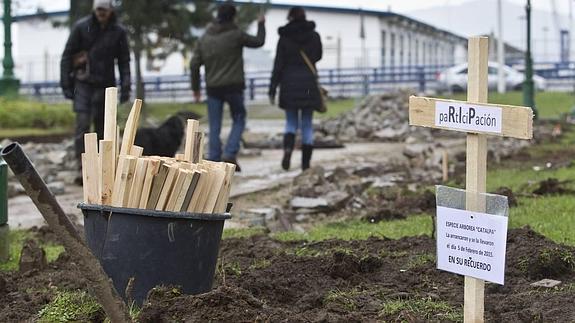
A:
[391,40]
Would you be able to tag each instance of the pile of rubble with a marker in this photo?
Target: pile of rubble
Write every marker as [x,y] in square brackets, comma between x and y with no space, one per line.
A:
[383,117]
[55,162]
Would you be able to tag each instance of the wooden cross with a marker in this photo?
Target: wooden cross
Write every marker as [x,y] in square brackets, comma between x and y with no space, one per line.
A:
[478,119]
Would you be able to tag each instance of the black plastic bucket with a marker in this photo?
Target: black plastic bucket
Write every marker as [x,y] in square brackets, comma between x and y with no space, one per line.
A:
[154,247]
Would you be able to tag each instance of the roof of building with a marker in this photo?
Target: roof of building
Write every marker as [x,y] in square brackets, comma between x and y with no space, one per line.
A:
[383,14]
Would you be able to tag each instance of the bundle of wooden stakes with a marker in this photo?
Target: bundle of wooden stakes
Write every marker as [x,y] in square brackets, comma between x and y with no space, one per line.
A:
[120,176]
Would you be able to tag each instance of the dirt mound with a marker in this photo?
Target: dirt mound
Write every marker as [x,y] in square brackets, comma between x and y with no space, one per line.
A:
[552,186]
[370,280]
[378,279]
[223,304]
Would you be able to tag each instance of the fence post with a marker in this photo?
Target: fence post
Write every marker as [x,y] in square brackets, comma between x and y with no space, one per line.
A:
[421,76]
[252,89]
[330,73]
[4,240]
[365,85]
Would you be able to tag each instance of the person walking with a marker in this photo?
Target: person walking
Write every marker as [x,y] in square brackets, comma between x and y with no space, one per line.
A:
[87,68]
[298,49]
[220,50]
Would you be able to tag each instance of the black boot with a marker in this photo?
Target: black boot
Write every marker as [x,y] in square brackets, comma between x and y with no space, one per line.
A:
[289,143]
[306,151]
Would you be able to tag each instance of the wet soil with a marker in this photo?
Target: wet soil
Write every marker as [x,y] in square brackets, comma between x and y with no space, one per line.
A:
[24,294]
[260,279]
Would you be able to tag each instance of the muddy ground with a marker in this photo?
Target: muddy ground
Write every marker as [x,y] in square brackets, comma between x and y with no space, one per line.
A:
[261,279]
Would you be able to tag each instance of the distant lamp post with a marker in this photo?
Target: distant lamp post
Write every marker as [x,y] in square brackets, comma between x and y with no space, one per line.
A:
[8,83]
[528,91]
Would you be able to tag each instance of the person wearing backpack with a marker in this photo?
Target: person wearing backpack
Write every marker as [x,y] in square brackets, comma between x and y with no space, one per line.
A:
[298,50]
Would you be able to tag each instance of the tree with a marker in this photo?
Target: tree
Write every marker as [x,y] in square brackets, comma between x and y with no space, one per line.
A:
[79,9]
[159,28]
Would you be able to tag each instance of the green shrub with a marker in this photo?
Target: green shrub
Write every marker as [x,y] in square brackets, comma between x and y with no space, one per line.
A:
[30,114]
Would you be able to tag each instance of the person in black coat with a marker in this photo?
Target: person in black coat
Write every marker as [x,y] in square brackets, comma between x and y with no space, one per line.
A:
[299,94]
[95,43]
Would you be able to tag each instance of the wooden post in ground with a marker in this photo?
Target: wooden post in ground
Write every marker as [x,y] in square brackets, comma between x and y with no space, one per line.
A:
[476,165]
[478,119]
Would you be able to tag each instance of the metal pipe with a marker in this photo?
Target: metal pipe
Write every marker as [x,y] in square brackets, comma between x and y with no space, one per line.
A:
[37,190]
[52,212]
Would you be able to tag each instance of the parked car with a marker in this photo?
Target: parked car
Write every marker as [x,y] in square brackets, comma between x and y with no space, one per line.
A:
[454,79]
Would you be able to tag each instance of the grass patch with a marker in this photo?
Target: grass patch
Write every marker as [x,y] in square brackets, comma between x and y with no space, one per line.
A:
[72,306]
[34,132]
[552,216]
[243,232]
[20,113]
[424,308]
[419,260]
[16,240]
[337,107]
[361,230]
[550,105]
[344,299]
[260,264]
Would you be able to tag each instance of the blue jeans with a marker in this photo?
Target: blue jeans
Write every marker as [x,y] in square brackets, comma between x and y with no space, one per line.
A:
[215,114]
[293,124]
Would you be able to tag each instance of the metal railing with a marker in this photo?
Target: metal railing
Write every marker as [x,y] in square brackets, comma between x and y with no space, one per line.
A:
[345,82]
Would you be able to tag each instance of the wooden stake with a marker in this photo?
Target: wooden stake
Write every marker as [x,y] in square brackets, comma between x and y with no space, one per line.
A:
[191,129]
[131,128]
[224,194]
[445,166]
[123,181]
[157,186]
[85,176]
[476,166]
[197,154]
[107,164]
[194,183]
[136,151]
[178,190]
[202,182]
[216,186]
[110,120]
[167,187]
[92,173]
[138,184]
[151,171]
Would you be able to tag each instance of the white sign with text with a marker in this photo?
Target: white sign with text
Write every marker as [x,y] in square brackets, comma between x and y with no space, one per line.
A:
[466,116]
[471,243]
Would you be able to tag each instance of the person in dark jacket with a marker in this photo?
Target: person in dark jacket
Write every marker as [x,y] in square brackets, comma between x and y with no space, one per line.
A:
[87,67]
[220,50]
[299,94]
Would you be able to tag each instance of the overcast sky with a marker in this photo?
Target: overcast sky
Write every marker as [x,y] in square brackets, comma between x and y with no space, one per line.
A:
[401,6]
